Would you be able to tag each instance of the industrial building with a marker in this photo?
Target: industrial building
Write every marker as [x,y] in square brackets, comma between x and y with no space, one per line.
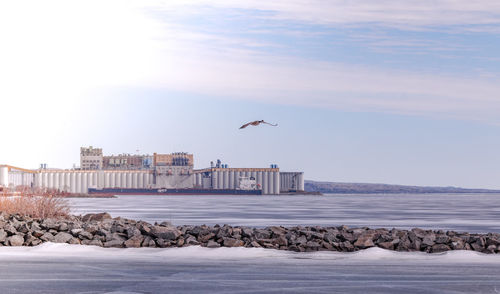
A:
[91,158]
[160,171]
[127,161]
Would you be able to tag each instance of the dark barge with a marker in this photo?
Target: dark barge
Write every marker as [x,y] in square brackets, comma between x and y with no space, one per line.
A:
[187,191]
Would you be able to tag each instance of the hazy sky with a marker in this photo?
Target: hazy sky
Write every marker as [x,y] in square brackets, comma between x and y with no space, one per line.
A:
[402,92]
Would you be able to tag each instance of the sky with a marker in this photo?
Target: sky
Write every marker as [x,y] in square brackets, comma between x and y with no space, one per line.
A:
[398,92]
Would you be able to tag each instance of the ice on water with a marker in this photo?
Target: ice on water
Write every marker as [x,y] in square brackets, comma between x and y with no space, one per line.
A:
[63,268]
[467,212]
[63,251]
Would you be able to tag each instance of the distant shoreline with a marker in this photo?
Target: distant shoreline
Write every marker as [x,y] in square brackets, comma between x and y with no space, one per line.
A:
[367,188]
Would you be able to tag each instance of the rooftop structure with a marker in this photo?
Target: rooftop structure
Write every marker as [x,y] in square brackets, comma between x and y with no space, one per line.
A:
[127,161]
[173,159]
[91,158]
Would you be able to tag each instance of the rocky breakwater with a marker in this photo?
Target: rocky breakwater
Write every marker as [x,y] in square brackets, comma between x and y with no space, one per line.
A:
[102,230]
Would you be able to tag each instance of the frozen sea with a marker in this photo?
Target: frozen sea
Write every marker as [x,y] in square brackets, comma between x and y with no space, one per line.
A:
[62,268]
[461,212]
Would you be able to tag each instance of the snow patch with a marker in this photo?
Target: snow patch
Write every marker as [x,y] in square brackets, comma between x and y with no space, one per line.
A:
[56,251]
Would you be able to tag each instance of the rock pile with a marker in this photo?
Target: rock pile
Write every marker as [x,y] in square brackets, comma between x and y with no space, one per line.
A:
[102,230]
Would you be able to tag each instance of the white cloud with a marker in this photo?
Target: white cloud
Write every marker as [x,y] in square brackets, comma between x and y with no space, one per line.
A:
[394,13]
[340,86]
[53,52]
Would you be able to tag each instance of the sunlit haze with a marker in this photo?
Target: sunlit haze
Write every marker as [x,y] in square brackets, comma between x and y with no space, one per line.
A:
[394,93]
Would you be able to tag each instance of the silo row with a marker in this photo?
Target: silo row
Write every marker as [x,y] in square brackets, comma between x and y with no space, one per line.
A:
[67,181]
[16,178]
[198,180]
[80,181]
[269,181]
[291,181]
[288,182]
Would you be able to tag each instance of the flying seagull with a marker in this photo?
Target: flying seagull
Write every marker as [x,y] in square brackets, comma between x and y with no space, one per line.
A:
[256,123]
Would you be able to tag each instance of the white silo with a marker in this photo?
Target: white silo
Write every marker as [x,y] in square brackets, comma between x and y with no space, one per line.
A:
[226,179]
[111,183]
[123,180]
[37,180]
[237,179]
[62,181]
[147,182]
[301,182]
[265,181]
[198,180]
[87,181]
[55,184]
[129,180]
[270,182]
[215,180]
[41,180]
[259,178]
[118,179]
[220,180]
[134,180]
[276,182]
[78,186]
[73,182]
[231,180]
[90,179]
[67,181]
[123,176]
[112,179]
[84,183]
[95,179]
[50,180]
[45,179]
[107,180]
[140,184]
[55,180]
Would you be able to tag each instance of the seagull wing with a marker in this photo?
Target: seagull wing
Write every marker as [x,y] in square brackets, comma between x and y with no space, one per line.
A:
[275,125]
[245,125]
